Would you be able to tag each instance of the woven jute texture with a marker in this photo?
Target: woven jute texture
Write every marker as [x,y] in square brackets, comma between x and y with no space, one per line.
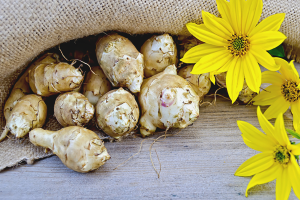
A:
[28,27]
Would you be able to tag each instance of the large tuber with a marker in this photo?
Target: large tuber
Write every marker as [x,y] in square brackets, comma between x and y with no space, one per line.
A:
[121,62]
[29,112]
[78,148]
[167,100]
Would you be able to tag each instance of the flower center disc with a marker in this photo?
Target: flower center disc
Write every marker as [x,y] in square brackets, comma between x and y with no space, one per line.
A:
[238,45]
[290,91]
[281,155]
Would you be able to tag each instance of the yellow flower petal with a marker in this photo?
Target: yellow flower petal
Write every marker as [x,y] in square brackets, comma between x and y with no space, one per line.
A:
[235,15]
[264,177]
[283,185]
[212,78]
[194,54]
[252,72]
[255,10]
[235,79]
[272,77]
[223,8]
[256,164]
[258,140]
[202,33]
[294,175]
[225,67]
[295,108]
[267,40]
[279,106]
[266,126]
[288,71]
[264,58]
[268,96]
[211,62]
[271,23]
[295,149]
[217,25]
[280,133]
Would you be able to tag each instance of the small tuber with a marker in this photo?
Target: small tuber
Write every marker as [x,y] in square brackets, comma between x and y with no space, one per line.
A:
[117,113]
[167,100]
[73,109]
[95,85]
[121,62]
[159,52]
[78,148]
[29,112]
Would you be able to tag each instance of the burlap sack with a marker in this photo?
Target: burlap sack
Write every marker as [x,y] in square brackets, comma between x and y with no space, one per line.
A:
[28,27]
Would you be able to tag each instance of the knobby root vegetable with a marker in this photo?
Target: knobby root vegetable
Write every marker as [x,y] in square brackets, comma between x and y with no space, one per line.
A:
[200,82]
[121,62]
[186,43]
[50,79]
[167,100]
[73,109]
[159,52]
[29,112]
[78,148]
[21,87]
[117,113]
[245,96]
[95,85]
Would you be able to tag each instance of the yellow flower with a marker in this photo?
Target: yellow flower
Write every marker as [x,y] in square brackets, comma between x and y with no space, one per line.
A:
[235,44]
[283,93]
[277,157]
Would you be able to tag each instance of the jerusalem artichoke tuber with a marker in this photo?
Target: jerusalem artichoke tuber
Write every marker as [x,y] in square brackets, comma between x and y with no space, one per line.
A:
[29,112]
[117,113]
[167,100]
[121,62]
[73,109]
[78,148]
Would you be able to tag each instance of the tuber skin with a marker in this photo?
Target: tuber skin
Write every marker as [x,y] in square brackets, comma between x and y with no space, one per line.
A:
[50,79]
[167,100]
[78,148]
[29,112]
[245,96]
[21,87]
[117,113]
[185,43]
[73,109]
[95,85]
[159,52]
[199,82]
[121,62]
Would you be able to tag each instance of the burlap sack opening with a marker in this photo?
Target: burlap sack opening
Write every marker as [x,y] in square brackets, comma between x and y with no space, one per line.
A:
[29,27]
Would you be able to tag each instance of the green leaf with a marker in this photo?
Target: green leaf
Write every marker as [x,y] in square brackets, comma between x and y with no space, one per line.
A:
[277,52]
[293,133]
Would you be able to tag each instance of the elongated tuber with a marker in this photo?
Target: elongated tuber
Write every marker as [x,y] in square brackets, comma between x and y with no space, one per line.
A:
[159,52]
[29,112]
[117,113]
[73,109]
[21,87]
[95,85]
[49,79]
[167,100]
[121,62]
[200,82]
[78,148]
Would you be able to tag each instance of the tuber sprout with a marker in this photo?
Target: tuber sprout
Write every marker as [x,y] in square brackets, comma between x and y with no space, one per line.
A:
[78,148]
[73,109]
[117,113]
[49,79]
[159,52]
[29,112]
[121,62]
[167,100]
[95,85]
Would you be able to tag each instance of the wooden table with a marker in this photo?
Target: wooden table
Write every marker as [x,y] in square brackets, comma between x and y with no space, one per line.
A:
[197,163]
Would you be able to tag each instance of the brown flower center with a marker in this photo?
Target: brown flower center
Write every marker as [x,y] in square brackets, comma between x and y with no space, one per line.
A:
[290,91]
[238,45]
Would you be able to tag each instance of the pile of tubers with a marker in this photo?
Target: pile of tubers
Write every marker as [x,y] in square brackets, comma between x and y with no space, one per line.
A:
[129,89]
